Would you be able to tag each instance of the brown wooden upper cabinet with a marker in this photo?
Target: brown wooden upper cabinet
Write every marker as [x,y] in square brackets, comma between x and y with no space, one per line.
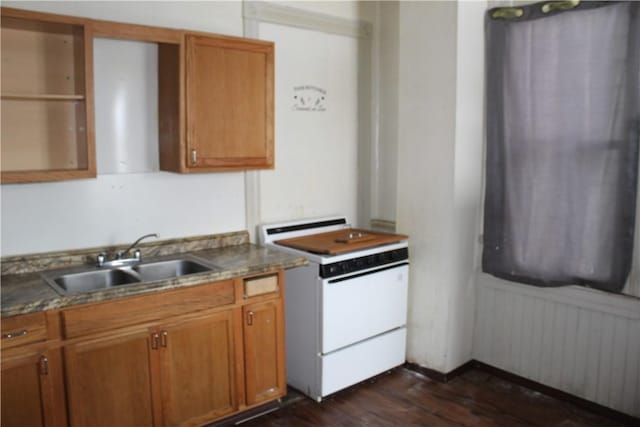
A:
[215,97]
[47,97]
[228,104]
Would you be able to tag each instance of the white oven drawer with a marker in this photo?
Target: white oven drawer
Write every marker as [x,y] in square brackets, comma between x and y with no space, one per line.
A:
[361,361]
[362,306]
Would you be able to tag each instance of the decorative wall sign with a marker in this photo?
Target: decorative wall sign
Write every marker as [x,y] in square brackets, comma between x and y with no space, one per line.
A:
[309,98]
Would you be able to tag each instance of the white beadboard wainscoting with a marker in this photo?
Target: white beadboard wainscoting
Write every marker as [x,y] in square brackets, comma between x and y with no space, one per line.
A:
[577,340]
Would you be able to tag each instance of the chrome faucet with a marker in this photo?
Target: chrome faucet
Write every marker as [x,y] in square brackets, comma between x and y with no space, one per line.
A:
[120,254]
[119,259]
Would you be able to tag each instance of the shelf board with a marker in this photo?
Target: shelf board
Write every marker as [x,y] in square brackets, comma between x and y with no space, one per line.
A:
[44,97]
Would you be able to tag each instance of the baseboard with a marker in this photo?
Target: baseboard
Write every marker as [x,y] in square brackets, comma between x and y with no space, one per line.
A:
[588,405]
[246,415]
[437,375]
[585,404]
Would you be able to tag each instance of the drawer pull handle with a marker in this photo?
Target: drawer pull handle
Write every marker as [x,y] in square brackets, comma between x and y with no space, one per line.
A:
[154,341]
[250,318]
[44,365]
[16,334]
[164,339]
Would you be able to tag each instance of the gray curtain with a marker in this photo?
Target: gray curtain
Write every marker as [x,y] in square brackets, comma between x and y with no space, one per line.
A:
[563,129]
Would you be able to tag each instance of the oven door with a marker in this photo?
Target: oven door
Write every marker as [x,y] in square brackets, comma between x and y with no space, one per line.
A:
[362,305]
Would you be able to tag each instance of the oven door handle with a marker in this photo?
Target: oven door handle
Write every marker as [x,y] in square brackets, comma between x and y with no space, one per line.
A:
[367,273]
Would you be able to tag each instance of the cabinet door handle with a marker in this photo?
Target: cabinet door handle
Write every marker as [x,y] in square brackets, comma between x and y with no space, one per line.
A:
[15,334]
[164,338]
[44,365]
[250,318]
[194,156]
[154,341]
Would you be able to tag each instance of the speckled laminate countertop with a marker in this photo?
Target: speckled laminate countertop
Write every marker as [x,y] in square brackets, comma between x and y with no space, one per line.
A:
[27,292]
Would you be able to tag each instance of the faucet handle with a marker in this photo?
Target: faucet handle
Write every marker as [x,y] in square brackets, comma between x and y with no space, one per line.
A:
[137,255]
[101,259]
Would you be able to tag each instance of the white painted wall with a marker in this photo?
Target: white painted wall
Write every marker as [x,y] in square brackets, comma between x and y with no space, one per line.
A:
[322,157]
[439,173]
[126,126]
[222,17]
[316,170]
[468,172]
[117,208]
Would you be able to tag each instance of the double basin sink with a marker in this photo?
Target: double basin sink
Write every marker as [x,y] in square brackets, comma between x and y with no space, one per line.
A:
[87,279]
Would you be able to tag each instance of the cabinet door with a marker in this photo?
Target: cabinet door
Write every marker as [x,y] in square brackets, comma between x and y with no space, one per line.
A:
[109,381]
[197,370]
[229,102]
[264,351]
[32,392]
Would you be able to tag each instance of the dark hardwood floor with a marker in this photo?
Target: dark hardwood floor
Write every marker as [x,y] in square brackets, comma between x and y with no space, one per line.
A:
[406,398]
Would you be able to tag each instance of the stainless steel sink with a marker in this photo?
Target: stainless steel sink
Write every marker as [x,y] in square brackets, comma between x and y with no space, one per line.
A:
[168,269]
[79,280]
[74,283]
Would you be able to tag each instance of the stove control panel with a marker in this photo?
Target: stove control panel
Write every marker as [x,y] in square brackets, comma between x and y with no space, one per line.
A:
[363,263]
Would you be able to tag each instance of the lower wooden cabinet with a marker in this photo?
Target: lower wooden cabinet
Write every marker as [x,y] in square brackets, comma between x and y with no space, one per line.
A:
[109,381]
[197,370]
[32,392]
[264,351]
[177,374]
[170,359]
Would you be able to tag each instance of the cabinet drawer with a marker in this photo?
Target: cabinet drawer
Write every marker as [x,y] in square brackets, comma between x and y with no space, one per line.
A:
[131,311]
[24,329]
[255,286]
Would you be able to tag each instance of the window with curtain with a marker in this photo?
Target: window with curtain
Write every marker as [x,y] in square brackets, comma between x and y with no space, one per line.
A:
[563,131]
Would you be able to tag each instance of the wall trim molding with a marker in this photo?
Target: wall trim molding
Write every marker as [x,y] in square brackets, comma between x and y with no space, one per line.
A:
[383,224]
[294,17]
[252,211]
[617,304]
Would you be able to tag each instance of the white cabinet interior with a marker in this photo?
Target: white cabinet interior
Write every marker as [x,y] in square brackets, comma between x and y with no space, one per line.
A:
[126,104]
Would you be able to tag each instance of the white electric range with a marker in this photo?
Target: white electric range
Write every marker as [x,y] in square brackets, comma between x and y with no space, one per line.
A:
[345,313]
